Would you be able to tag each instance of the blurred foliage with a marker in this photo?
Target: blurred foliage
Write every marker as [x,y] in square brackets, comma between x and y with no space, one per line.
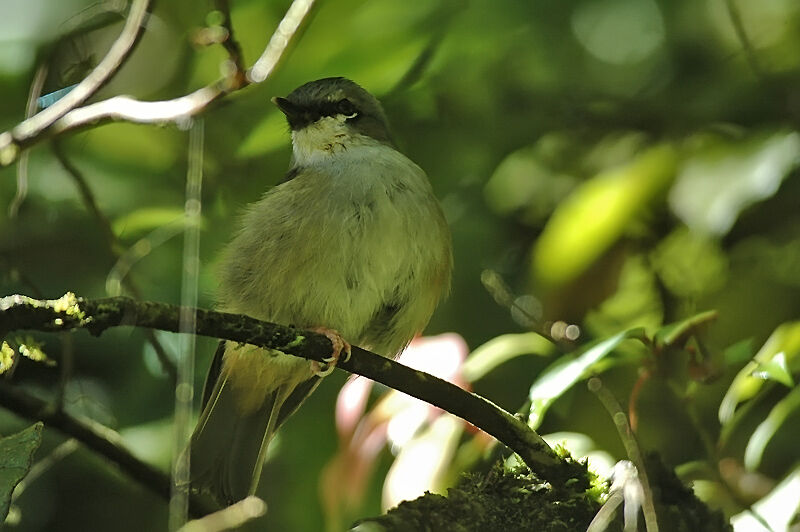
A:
[615,164]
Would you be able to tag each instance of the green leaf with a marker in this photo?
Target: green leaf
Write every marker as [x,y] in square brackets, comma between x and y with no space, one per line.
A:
[776,370]
[739,353]
[676,334]
[597,213]
[725,177]
[696,470]
[523,182]
[142,221]
[568,370]
[778,508]
[774,361]
[501,349]
[16,456]
[690,264]
[767,428]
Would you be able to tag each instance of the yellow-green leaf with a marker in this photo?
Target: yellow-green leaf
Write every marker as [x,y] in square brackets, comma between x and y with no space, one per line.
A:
[565,372]
[783,344]
[144,220]
[502,349]
[597,213]
[677,333]
[767,428]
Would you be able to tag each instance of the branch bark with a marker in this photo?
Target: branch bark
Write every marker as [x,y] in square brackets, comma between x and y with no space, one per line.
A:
[30,129]
[98,438]
[70,312]
[66,115]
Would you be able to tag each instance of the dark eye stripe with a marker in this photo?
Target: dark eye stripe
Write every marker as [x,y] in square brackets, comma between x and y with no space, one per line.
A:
[346,107]
[342,107]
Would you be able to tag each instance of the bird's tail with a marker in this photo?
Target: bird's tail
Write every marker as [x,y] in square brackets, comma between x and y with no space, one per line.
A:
[228,446]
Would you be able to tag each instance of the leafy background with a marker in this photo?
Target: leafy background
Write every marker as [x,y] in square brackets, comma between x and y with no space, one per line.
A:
[608,163]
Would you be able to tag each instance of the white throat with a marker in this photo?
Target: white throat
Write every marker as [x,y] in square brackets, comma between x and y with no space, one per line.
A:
[328,137]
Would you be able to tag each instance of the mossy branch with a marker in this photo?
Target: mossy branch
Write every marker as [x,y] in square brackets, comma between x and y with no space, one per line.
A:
[70,312]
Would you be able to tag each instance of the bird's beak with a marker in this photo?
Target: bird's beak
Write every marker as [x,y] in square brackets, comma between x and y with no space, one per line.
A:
[288,108]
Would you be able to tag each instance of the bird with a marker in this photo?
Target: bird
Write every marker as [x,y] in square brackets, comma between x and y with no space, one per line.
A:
[352,243]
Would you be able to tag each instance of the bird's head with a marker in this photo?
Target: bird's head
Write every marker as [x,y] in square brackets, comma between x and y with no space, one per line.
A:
[332,115]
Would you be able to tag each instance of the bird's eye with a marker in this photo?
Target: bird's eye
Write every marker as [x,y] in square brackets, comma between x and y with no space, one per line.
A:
[346,108]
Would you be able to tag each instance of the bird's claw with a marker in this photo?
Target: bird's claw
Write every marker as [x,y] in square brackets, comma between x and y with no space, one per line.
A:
[326,367]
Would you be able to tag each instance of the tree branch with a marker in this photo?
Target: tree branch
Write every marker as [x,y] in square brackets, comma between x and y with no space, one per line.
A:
[279,41]
[69,312]
[230,43]
[116,56]
[68,117]
[115,247]
[98,438]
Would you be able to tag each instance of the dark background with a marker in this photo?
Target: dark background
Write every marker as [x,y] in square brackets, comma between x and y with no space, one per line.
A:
[517,110]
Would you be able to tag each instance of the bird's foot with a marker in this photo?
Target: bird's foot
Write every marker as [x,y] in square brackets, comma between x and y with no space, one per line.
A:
[325,368]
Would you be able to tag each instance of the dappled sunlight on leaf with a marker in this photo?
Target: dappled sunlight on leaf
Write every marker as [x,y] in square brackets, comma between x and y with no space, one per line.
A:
[786,407]
[501,349]
[566,371]
[140,221]
[722,178]
[522,182]
[779,507]
[784,341]
[597,213]
[690,264]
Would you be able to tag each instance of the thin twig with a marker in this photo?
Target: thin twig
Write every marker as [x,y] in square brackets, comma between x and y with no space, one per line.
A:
[69,312]
[230,43]
[115,246]
[280,40]
[109,65]
[98,438]
[177,110]
[22,168]
[64,449]
[87,197]
[741,34]
[614,409]
[502,295]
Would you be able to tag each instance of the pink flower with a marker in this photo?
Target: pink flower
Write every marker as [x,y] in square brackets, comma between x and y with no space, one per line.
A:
[420,435]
